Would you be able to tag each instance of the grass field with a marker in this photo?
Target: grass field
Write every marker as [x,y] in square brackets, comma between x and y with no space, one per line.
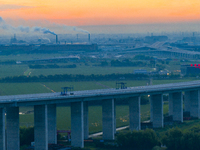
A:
[23,69]
[12,70]
[90,68]
[86,70]
[22,88]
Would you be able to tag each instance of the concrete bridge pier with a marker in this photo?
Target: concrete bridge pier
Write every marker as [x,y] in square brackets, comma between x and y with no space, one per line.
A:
[134,113]
[2,129]
[177,106]
[12,128]
[41,127]
[52,125]
[157,110]
[115,126]
[192,103]
[170,100]
[151,109]
[187,101]
[77,124]
[108,119]
[86,123]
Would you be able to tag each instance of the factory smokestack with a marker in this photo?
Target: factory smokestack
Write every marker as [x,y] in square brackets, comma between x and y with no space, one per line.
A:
[193,34]
[88,37]
[56,39]
[77,37]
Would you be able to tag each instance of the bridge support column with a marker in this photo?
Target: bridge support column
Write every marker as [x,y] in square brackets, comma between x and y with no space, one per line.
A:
[192,102]
[77,128]
[108,116]
[41,127]
[157,110]
[187,101]
[170,100]
[195,103]
[52,126]
[134,113]
[151,110]
[12,128]
[177,106]
[86,125]
[2,129]
[115,125]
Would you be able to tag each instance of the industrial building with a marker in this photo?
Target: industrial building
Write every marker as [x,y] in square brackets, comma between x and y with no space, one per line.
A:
[17,49]
[153,39]
[69,47]
[190,69]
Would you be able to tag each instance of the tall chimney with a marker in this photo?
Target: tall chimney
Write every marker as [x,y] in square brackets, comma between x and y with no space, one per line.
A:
[77,37]
[88,37]
[56,39]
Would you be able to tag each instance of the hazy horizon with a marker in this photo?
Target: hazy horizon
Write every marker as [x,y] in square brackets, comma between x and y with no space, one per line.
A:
[127,16]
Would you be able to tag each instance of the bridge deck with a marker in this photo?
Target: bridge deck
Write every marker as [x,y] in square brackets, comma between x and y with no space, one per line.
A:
[141,90]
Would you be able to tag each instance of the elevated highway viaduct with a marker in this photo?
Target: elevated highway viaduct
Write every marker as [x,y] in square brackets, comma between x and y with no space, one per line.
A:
[45,111]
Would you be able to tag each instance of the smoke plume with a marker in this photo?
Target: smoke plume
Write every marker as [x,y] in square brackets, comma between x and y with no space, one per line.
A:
[36,29]
[42,30]
[23,29]
[1,20]
[80,30]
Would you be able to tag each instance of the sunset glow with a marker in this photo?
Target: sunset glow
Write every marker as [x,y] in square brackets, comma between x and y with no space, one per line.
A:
[102,12]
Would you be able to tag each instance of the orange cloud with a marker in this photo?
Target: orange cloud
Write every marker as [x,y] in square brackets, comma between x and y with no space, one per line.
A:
[94,12]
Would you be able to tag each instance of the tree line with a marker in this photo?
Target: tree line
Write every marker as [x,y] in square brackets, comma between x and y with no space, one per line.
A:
[173,139]
[50,66]
[80,77]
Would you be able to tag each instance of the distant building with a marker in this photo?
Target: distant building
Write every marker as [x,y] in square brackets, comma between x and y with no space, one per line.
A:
[69,47]
[163,72]
[19,48]
[190,69]
[13,40]
[153,39]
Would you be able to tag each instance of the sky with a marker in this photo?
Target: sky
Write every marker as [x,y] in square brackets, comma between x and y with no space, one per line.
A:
[102,15]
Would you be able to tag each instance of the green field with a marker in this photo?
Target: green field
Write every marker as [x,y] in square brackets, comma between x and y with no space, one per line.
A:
[23,69]
[85,70]
[12,70]
[82,68]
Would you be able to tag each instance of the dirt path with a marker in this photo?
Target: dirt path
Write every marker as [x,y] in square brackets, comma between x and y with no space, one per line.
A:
[48,88]
[105,86]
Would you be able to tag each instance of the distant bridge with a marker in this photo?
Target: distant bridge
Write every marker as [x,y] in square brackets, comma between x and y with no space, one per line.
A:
[45,111]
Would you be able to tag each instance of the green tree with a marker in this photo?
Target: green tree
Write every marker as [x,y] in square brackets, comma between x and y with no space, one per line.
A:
[104,63]
[172,139]
[26,135]
[195,129]
[138,140]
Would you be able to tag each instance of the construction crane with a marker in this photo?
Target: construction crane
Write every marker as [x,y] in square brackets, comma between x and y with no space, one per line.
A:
[67,89]
[121,85]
